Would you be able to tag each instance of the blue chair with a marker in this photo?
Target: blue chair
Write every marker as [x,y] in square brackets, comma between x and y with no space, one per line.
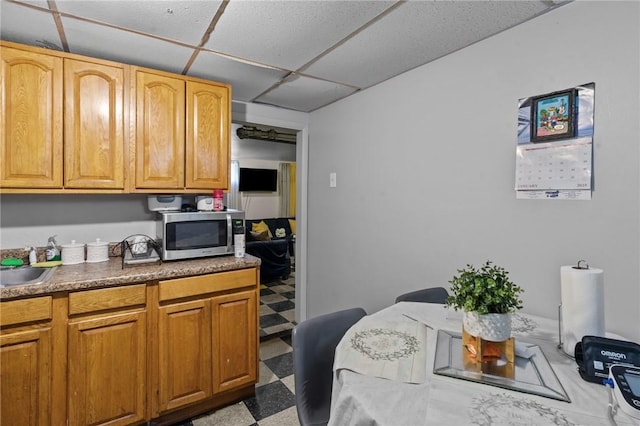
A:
[314,343]
[427,295]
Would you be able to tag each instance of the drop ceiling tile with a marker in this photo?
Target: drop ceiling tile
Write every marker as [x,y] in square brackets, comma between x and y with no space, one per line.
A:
[122,46]
[416,33]
[247,81]
[14,18]
[40,3]
[181,20]
[282,35]
[288,34]
[305,94]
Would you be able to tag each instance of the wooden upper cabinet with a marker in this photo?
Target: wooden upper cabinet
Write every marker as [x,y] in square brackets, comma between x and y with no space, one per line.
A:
[71,123]
[182,134]
[31,127]
[207,143]
[94,129]
[159,145]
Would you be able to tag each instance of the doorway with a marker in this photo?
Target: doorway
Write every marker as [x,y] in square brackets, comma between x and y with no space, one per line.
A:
[269,117]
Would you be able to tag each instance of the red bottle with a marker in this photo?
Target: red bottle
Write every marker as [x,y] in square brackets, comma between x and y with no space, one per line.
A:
[218,200]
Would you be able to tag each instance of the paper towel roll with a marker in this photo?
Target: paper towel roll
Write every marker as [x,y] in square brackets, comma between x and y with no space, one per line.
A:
[582,297]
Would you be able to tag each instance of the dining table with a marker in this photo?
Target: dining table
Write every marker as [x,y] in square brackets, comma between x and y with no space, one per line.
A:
[401,366]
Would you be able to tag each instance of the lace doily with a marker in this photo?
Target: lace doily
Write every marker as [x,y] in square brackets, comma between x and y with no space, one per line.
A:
[503,409]
[384,344]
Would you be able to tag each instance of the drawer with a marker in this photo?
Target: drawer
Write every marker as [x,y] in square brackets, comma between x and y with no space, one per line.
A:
[203,284]
[25,310]
[107,298]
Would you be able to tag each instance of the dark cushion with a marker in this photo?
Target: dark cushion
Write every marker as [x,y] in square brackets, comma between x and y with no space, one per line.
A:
[275,261]
[274,224]
[258,236]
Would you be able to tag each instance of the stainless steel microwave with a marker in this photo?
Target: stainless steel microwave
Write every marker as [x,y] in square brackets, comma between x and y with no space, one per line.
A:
[188,235]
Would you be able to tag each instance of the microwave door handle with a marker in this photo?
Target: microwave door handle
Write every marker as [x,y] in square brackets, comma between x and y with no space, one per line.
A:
[229,232]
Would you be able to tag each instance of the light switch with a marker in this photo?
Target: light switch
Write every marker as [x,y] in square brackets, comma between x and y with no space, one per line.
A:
[332,180]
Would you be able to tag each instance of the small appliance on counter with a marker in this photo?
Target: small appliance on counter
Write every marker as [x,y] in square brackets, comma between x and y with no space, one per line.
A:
[214,203]
[164,203]
[204,203]
[139,249]
[188,235]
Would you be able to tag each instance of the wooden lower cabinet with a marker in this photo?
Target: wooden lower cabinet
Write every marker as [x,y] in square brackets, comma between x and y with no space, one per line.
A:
[207,339]
[234,340]
[184,344]
[107,370]
[25,384]
[158,352]
[26,358]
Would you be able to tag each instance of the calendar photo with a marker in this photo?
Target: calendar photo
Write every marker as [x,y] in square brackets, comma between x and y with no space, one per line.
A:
[552,116]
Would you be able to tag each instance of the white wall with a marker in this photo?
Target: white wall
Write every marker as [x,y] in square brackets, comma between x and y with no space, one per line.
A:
[263,155]
[31,219]
[425,168]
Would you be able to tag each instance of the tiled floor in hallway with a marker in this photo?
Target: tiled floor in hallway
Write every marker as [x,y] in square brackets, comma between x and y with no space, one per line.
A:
[274,401]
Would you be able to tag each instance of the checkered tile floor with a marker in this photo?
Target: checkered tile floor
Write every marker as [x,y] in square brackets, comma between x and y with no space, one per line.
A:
[277,307]
[274,402]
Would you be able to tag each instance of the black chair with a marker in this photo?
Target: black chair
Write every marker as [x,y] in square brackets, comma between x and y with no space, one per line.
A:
[314,344]
[426,295]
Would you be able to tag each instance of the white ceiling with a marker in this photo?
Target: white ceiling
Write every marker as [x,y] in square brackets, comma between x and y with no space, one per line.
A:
[298,55]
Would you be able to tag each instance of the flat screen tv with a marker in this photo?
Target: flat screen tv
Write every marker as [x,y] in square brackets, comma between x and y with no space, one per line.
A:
[258,180]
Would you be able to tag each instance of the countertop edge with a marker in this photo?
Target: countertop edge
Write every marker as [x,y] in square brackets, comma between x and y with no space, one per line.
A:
[87,276]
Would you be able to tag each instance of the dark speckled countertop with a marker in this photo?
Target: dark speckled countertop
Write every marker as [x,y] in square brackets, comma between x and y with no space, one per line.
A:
[110,273]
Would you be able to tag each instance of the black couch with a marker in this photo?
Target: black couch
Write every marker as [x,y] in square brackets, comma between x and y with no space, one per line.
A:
[275,251]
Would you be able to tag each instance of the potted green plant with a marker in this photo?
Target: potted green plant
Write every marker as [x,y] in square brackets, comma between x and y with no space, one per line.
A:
[487,297]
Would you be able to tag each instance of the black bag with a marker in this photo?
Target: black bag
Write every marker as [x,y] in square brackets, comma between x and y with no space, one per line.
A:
[595,355]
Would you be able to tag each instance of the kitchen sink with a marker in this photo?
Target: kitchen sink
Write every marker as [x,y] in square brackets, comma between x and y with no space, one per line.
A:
[24,275]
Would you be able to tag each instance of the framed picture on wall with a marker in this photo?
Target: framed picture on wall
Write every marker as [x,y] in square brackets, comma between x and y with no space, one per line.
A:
[553,116]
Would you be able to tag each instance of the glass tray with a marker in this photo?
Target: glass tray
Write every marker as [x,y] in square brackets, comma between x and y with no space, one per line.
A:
[534,375]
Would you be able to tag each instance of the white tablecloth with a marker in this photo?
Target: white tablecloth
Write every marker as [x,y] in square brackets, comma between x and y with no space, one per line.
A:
[359,399]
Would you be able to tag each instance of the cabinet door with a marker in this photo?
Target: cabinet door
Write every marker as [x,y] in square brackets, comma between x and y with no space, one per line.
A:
[159,142]
[184,340]
[107,370]
[31,125]
[25,381]
[235,340]
[207,138]
[94,132]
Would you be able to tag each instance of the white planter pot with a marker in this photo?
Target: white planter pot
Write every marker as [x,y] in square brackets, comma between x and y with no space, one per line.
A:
[491,327]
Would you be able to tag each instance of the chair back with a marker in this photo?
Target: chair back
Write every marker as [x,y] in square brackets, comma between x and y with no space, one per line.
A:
[314,344]
[426,295]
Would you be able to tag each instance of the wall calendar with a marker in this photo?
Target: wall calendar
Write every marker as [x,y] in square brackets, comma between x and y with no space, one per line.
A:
[554,153]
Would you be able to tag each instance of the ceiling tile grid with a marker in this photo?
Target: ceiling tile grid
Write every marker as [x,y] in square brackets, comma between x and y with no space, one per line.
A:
[414,34]
[288,34]
[299,55]
[124,46]
[184,21]
[14,19]
[247,80]
[305,94]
